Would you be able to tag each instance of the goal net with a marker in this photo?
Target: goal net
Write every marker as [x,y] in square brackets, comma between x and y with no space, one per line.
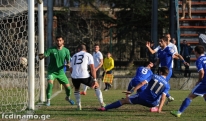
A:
[14,47]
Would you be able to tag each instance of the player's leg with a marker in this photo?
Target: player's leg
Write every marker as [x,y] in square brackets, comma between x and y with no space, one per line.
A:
[116,104]
[184,105]
[84,92]
[50,78]
[62,78]
[94,84]
[170,98]
[77,83]
[198,90]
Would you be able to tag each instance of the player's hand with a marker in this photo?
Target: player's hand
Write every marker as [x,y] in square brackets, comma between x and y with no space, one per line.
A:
[127,92]
[41,56]
[147,44]
[187,64]
[95,85]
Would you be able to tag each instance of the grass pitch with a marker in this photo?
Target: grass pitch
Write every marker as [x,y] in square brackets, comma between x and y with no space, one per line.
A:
[60,110]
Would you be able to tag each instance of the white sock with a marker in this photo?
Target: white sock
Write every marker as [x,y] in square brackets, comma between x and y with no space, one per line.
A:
[85,88]
[99,95]
[78,99]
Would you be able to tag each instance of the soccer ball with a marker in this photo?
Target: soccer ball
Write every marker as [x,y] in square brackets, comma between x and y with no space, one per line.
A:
[23,61]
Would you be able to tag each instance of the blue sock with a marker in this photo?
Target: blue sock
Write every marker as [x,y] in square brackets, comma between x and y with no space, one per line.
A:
[113,105]
[167,95]
[185,104]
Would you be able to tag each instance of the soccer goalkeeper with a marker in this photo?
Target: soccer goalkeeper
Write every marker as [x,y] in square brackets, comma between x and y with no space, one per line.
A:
[58,55]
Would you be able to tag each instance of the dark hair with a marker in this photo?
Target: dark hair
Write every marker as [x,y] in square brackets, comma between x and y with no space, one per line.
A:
[164,70]
[146,63]
[82,47]
[96,44]
[57,37]
[165,39]
[199,49]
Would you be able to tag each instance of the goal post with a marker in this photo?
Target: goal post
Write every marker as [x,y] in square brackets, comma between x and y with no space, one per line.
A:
[41,49]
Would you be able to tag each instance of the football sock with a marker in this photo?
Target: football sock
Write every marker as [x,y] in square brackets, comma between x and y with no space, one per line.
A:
[99,95]
[49,90]
[184,105]
[85,88]
[167,95]
[113,105]
[68,91]
[78,99]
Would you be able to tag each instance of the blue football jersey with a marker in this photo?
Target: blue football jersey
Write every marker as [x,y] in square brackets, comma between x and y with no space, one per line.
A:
[201,64]
[156,87]
[165,56]
[142,73]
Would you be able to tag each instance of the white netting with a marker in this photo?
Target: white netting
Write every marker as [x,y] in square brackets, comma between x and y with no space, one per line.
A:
[14,46]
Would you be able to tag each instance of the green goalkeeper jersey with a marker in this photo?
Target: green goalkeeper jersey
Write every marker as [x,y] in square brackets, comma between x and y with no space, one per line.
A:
[57,59]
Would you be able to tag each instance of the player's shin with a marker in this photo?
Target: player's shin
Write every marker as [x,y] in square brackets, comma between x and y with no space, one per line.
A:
[78,98]
[113,105]
[68,91]
[99,95]
[184,105]
[49,90]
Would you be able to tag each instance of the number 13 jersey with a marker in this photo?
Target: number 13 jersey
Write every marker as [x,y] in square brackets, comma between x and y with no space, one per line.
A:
[79,64]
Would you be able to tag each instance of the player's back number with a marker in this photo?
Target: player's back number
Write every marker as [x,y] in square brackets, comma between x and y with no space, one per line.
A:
[78,59]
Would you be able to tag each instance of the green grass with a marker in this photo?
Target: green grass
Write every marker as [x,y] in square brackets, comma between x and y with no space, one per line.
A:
[60,110]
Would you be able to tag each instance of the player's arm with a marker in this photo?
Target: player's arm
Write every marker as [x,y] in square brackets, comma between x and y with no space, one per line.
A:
[149,48]
[181,58]
[162,101]
[93,72]
[139,86]
[45,54]
[100,65]
[201,75]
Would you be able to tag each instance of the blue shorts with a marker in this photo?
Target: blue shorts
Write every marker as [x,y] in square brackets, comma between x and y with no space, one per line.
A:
[199,89]
[136,99]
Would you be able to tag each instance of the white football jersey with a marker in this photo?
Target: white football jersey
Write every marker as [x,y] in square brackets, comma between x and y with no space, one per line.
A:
[171,45]
[97,57]
[79,64]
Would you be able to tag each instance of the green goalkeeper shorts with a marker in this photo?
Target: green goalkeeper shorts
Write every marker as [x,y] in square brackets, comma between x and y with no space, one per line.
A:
[62,78]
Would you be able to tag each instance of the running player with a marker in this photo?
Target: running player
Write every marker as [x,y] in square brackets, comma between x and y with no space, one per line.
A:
[200,88]
[80,74]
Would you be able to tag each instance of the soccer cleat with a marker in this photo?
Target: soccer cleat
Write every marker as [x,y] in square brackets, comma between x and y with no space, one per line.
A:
[48,103]
[101,109]
[82,93]
[70,101]
[175,113]
[154,109]
[103,105]
[79,107]
[170,99]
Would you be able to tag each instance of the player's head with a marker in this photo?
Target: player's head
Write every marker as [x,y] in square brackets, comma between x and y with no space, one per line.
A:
[59,41]
[96,48]
[163,42]
[199,49]
[148,64]
[82,47]
[164,71]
